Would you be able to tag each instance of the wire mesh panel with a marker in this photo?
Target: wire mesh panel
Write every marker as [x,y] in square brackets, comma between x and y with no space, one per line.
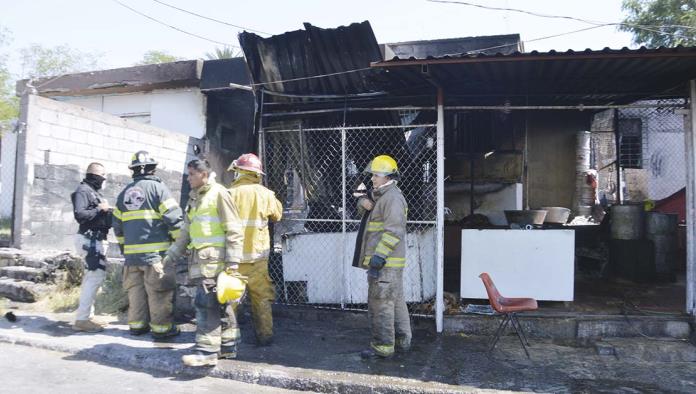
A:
[8,150]
[651,150]
[318,174]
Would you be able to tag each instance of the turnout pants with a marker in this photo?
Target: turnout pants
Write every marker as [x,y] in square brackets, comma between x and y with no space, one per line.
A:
[93,276]
[216,325]
[261,292]
[390,324]
[150,299]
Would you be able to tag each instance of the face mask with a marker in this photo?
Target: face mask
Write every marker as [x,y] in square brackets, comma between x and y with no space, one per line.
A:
[97,181]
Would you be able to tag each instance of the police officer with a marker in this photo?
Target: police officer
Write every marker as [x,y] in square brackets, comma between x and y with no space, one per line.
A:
[383,254]
[146,220]
[93,214]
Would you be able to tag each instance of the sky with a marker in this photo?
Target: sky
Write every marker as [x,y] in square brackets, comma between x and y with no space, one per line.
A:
[121,36]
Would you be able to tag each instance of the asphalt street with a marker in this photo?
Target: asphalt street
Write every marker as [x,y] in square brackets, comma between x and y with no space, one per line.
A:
[30,370]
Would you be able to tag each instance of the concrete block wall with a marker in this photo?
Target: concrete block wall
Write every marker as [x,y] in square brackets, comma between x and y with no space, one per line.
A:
[61,140]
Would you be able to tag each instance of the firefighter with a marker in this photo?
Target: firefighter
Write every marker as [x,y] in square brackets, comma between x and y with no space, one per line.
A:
[211,231]
[146,220]
[256,205]
[383,254]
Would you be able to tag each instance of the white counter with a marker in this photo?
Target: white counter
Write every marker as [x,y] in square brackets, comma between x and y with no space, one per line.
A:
[522,263]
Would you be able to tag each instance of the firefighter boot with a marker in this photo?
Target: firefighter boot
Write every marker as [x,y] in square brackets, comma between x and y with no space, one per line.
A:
[371,354]
[200,359]
[228,352]
[161,336]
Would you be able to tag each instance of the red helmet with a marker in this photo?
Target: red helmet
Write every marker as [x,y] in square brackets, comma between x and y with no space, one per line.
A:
[247,162]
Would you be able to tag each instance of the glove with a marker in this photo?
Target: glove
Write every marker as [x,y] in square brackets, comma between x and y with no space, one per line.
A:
[373,273]
[159,269]
[232,268]
[377,262]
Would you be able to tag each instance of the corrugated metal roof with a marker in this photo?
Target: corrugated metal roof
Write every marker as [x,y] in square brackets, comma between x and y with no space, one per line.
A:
[588,77]
[505,44]
[314,51]
[507,56]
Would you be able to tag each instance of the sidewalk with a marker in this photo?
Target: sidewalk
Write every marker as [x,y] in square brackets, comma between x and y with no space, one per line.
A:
[320,355]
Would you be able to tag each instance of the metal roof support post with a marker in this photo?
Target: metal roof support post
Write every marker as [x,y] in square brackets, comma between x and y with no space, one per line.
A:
[262,139]
[617,139]
[344,238]
[690,149]
[440,226]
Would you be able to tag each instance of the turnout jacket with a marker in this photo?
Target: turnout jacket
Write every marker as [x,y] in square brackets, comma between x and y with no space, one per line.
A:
[145,220]
[256,206]
[211,230]
[385,232]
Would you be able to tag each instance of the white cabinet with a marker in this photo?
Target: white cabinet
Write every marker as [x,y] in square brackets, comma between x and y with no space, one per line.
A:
[522,263]
[323,262]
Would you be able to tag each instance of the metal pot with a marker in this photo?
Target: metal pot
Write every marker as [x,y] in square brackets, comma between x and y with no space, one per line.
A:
[524,217]
[556,215]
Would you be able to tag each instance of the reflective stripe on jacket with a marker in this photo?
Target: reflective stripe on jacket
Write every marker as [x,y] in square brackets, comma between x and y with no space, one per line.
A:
[145,219]
[256,205]
[205,231]
[205,228]
[385,232]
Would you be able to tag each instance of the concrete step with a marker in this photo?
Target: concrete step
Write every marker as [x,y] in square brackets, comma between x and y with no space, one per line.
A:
[22,290]
[582,327]
[30,274]
[9,257]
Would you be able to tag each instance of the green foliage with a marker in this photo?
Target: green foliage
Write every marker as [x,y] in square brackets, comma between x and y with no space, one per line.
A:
[156,57]
[221,53]
[657,23]
[39,61]
[9,104]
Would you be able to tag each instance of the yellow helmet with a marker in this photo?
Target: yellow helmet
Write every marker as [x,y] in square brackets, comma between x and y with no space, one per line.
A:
[382,165]
[230,288]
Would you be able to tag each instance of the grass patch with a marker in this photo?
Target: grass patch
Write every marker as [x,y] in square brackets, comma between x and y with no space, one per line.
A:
[112,299]
[63,300]
[5,229]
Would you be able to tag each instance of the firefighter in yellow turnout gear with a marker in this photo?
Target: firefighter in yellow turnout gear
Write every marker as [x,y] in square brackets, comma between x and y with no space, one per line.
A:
[211,231]
[383,254]
[145,220]
[256,205]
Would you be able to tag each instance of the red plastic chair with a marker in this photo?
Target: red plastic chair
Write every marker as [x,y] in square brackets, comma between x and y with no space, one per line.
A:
[508,307]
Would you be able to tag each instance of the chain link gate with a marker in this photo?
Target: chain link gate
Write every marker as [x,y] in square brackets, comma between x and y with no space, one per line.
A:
[317,174]
[651,152]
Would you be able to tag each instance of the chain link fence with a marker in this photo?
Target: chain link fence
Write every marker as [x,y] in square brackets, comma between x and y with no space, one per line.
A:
[318,174]
[651,152]
[8,150]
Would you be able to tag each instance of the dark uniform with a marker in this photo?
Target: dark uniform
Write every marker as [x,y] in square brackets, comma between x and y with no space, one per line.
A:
[90,242]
